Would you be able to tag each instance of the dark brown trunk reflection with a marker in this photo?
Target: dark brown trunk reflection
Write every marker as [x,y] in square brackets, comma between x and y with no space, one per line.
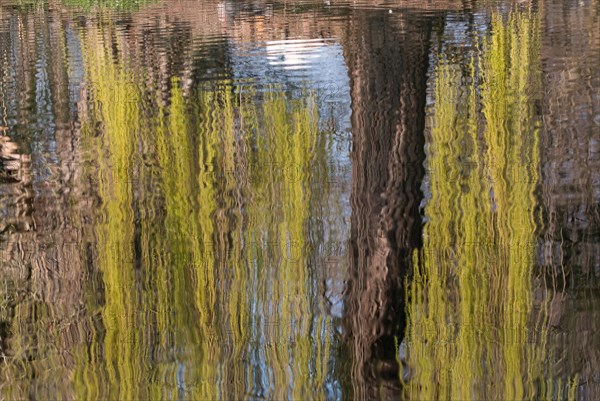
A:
[388,60]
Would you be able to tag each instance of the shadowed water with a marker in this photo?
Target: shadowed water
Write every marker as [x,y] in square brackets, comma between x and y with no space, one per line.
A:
[206,200]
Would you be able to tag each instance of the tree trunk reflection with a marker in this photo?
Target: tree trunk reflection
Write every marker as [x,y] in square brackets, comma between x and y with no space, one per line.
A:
[388,60]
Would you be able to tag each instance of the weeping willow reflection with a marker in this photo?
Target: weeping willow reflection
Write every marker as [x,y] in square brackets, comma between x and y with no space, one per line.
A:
[206,293]
[475,330]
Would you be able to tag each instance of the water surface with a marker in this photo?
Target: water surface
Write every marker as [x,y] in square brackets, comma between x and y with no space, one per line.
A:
[311,200]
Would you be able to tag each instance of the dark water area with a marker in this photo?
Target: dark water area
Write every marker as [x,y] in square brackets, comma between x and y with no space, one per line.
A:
[205,200]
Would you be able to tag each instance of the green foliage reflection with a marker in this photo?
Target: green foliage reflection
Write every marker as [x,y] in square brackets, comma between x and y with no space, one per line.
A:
[474,328]
[205,281]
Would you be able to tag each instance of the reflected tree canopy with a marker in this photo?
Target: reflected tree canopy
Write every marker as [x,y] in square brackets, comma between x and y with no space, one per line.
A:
[298,201]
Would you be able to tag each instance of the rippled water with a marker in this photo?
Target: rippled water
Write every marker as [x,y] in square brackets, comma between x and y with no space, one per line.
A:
[299,200]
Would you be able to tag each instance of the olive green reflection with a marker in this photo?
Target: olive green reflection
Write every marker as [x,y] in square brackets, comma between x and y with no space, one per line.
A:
[475,330]
[208,291]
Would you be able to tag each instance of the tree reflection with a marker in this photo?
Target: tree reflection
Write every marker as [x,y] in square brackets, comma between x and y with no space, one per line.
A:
[475,328]
[388,59]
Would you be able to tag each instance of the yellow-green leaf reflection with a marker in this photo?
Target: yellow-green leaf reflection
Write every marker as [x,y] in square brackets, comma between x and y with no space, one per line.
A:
[114,98]
[475,330]
[208,293]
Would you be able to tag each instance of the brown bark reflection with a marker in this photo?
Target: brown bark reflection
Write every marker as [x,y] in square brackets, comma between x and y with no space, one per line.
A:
[43,254]
[388,60]
[570,256]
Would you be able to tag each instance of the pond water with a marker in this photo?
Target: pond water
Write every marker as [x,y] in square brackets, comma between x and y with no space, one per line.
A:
[369,199]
